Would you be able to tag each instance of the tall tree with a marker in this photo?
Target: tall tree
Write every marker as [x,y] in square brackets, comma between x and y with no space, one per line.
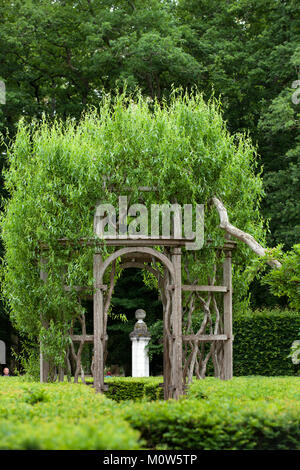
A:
[58,57]
[249,54]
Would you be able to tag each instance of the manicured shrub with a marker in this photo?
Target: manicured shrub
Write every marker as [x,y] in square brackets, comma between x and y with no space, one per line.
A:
[89,434]
[246,389]
[191,425]
[153,391]
[136,389]
[120,389]
[262,342]
[60,416]
[245,413]
[260,413]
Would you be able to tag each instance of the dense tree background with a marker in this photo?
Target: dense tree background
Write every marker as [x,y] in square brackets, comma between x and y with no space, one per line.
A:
[59,58]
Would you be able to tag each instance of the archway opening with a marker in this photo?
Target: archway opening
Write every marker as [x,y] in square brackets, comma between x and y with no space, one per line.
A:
[131,293]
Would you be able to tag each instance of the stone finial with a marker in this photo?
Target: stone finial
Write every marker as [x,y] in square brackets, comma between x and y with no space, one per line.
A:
[140,328]
[140,314]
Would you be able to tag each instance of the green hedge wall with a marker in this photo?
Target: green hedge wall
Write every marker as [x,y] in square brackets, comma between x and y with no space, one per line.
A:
[136,389]
[242,413]
[262,341]
[60,416]
[245,413]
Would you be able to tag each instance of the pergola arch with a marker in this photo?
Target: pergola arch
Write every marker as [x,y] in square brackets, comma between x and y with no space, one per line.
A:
[184,348]
[135,250]
[173,383]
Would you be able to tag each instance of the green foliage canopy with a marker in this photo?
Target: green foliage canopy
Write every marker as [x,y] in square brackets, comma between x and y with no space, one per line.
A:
[57,172]
[286,280]
[58,57]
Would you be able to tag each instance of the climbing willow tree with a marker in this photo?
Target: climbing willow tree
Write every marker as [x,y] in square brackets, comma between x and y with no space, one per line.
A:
[58,172]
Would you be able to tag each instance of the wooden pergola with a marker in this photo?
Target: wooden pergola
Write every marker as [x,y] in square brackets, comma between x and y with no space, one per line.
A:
[181,352]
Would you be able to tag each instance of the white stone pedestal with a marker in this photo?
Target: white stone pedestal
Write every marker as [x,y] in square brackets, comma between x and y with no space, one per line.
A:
[140,358]
[140,338]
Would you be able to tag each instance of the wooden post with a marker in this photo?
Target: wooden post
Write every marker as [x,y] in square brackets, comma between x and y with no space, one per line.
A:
[227,369]
[44,365]
[176,373]
[166,297]
[98,325]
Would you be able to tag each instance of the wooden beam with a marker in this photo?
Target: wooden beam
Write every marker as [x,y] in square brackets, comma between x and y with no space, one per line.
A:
[148,188]
[205,338]
[229,245]
[133,250]
[167,364]
[78,338]
[186,287]
[140,242]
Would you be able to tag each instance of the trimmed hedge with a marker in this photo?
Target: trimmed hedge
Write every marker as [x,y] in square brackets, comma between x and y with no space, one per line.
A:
[192,425]
[262,341]
[152,391]
[136,389]
[241,414]
[60,416]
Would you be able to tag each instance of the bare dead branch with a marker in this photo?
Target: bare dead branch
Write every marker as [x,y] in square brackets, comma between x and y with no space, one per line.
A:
[239,234]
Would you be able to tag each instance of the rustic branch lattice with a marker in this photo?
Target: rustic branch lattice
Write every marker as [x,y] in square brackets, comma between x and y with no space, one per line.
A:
[190,339]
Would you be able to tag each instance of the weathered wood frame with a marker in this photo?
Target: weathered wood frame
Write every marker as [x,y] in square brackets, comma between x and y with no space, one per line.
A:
[140,253]
[173,383]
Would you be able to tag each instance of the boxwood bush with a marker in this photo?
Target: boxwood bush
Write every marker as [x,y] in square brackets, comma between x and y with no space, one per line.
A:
[60,416]
[136,389]
[262,341]
[244,413]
